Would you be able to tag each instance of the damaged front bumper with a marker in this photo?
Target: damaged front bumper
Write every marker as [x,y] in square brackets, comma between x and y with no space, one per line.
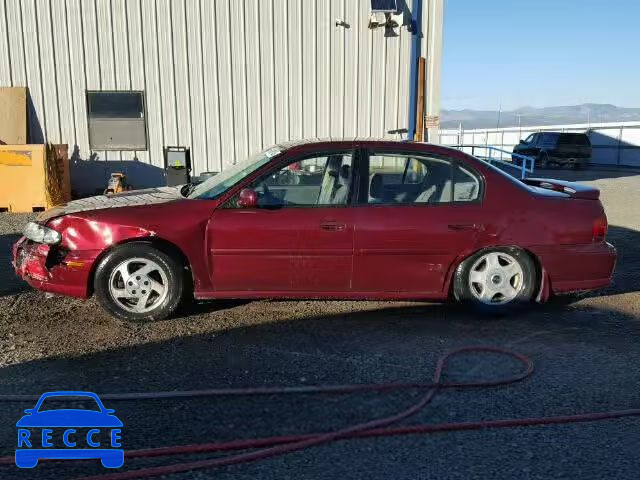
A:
[52,268]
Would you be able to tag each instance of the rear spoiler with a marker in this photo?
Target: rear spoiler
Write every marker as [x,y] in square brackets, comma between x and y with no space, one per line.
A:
[576,190]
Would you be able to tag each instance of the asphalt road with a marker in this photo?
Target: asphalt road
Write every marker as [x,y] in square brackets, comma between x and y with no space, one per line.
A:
[586,353]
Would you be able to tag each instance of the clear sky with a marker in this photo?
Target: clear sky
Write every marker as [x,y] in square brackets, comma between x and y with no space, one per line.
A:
[540,53]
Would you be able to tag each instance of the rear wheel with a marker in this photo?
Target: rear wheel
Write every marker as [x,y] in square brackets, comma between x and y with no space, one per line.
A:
[496,280]
[138,282]
[113,459]
[26,459]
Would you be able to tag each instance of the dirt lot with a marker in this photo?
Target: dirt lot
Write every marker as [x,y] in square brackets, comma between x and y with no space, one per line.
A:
[587,358]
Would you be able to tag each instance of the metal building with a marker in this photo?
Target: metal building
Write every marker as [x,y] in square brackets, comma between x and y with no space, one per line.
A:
[224,78]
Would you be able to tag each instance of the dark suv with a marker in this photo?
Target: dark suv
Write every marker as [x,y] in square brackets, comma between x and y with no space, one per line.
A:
[555,148]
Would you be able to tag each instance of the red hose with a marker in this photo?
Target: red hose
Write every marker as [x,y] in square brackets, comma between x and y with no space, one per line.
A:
[278,445]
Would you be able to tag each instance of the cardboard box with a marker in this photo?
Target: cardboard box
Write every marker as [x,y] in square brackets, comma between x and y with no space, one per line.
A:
[13,115]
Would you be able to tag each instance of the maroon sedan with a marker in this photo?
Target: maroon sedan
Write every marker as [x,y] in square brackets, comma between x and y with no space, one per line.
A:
[327,219]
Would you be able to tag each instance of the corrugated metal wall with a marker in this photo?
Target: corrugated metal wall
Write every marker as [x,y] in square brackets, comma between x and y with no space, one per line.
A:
[224,77]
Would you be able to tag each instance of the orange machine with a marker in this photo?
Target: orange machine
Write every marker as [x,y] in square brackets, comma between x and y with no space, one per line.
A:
[33,177]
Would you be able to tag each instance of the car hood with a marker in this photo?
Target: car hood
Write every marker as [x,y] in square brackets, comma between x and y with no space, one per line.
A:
[69,418]
[126,199]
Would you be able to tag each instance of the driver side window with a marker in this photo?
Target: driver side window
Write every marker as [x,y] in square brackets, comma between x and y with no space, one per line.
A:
[313,181]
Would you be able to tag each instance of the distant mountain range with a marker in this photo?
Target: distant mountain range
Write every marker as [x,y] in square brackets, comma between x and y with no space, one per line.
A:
[530,116]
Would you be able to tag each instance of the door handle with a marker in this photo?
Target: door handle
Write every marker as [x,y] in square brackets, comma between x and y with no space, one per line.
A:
[333,226]
[465,226]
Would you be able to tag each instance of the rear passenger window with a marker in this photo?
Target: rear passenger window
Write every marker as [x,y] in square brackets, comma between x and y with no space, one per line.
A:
[584,140]
[409,179]
[574,139]
[389,167]
[548,140]
[466,185]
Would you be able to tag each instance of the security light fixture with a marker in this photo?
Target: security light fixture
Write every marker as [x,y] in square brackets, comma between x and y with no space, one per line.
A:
[383,14]
[384,6]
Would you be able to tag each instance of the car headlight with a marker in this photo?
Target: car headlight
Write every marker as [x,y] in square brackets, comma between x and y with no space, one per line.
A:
[41,234]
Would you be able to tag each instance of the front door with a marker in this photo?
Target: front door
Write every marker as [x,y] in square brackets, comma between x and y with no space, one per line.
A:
[420,213]
[298,239]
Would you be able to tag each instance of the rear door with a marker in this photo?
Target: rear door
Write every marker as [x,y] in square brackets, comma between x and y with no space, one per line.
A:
[298,239]
[416,214]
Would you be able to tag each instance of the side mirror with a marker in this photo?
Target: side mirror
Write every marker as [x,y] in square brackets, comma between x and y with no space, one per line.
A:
[522,142]
[248,198]
[29,411]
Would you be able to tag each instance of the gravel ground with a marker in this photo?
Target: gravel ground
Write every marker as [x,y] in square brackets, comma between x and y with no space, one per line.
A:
[586,354]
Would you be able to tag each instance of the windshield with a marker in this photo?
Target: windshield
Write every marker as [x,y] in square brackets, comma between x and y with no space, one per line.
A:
[81,402]
[216,186]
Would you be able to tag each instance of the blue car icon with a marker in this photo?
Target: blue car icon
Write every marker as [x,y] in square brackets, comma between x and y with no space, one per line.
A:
[31,448]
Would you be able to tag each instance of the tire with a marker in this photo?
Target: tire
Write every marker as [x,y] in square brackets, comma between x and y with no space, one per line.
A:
[152,290]
[113,459]
[542,161]
[496,289]
[26,459]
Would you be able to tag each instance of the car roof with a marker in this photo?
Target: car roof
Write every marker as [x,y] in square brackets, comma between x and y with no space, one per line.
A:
[565,133]
[75,393]
[406,145]
[363,142]
[338,140]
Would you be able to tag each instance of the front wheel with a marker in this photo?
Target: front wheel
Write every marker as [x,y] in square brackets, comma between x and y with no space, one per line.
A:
[496,280]
[138,282]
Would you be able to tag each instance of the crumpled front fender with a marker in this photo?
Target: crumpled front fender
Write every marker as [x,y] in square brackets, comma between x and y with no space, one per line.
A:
[66,268]
[80,233]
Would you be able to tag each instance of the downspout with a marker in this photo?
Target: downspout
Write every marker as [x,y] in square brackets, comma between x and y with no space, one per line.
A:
[416,30]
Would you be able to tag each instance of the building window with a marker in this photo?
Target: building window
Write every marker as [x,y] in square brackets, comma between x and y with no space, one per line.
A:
[117,121]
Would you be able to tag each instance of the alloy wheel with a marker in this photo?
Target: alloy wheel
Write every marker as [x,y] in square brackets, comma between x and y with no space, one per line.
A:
[496,278]
[138,285]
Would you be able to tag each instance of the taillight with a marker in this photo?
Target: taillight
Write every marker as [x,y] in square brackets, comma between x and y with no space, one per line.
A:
[600,227]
